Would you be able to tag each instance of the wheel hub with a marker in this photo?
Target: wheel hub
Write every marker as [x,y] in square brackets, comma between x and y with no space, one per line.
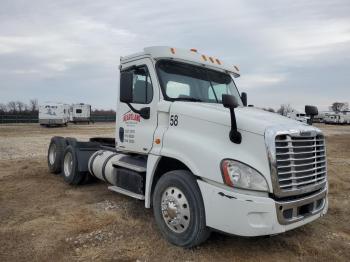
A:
[68,163]
[52,154]
[175,209]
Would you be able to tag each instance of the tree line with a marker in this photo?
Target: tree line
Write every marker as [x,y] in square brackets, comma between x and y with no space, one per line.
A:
[336,107]
[19,107]
[32,108]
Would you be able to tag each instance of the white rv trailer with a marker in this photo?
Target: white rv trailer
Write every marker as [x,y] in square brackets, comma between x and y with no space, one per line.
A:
[52,113]
[341,118]
[301,117]
[344,117]
[80,113]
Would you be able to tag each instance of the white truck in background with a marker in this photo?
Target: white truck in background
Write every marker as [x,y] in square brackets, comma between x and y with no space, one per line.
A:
[301,117]
[188,146]
[53,114]
[80,113]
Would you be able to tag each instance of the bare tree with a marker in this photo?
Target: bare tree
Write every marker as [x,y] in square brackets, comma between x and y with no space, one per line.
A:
[33,105]
[284,109]
[339,106]
[20,106]
[12,107]
[3,108]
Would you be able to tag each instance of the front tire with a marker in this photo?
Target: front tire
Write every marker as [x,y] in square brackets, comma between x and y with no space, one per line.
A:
[179,209]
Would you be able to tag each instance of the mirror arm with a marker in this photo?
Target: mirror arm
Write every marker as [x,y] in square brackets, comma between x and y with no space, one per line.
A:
[235,135]
[143,114]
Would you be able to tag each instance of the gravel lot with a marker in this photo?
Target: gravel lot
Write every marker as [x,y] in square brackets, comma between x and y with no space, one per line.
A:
[42,218]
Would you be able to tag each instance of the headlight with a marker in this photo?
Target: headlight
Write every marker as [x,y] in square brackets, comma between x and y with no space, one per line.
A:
[237,174]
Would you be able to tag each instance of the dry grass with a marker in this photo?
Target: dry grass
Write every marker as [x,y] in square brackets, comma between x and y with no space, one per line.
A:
[38,212]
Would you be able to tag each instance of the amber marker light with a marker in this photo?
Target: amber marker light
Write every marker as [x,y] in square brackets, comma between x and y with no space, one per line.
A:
[193,50]
[218,61]
[226,176]
[157,141]
[211,59]
[172,50]
[204,58]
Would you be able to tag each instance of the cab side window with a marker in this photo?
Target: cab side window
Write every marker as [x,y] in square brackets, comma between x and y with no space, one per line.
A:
[142,89]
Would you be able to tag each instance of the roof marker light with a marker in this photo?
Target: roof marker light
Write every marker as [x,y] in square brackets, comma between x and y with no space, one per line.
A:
[204,58]
[236,67]
[172,50]
[193,50]
[211,59]
[218,61]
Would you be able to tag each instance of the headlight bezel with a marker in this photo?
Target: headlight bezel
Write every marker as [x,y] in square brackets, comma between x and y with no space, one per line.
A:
[227,179]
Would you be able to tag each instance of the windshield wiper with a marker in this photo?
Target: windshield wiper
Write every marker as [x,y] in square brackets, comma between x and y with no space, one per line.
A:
[192,99]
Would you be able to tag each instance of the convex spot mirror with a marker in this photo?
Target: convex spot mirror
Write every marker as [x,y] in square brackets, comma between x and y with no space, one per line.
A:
[244,98]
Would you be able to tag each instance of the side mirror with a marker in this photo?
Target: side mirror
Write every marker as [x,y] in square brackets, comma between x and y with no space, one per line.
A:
[231,102]
[311,111]
[244,98]
[126,79]
[145,112]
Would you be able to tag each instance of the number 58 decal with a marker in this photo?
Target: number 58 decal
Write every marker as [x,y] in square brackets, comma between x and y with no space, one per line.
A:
[174,120]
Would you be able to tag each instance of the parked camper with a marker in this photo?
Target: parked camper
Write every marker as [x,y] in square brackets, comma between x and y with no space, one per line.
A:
[80,113]
[344,117]
[301,117]
[341,118]
[189,146]
[53,114]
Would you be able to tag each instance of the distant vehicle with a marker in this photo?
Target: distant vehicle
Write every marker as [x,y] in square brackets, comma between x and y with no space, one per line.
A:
[80,113]
[301,117]
[341,118]
[53,114]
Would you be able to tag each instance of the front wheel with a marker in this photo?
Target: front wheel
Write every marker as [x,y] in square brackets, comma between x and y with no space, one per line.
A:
[179,210]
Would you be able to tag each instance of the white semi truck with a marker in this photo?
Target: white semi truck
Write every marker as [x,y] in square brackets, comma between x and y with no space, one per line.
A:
[53,114]
[188,146]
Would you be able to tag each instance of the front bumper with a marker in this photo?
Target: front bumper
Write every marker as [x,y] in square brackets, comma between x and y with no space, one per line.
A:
[248,215]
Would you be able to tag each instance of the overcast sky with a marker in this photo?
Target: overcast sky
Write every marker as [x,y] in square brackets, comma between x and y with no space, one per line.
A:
[295,52]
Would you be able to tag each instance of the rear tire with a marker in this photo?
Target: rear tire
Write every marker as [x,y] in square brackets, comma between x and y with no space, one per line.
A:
[179,209]
[70,170]
[55,154]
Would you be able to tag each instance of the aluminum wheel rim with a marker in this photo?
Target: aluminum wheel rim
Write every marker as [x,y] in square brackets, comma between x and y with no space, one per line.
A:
[175,209]
[68,164]
[52,154]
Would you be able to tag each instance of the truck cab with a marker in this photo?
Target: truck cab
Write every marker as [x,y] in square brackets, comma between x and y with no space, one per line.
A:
[189,146]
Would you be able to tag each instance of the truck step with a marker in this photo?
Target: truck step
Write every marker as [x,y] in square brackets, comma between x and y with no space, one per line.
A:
[126,192]
[138,164]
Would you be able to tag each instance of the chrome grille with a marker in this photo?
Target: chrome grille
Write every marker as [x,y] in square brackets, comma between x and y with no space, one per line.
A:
[300,161]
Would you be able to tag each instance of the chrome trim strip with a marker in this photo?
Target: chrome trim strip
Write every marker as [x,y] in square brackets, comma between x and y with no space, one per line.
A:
[295,204]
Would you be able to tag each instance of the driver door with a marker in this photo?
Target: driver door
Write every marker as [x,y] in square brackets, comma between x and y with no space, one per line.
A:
[135,133]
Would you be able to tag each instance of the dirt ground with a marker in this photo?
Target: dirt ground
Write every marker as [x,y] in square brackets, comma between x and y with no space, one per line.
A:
[43,219]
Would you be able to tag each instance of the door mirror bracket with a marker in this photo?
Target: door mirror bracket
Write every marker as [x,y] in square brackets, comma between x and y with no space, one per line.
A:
[230,102]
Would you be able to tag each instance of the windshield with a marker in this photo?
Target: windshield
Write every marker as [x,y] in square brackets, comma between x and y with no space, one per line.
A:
[185,82]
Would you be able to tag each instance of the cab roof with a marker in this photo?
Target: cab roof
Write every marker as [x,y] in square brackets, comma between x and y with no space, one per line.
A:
[189,55]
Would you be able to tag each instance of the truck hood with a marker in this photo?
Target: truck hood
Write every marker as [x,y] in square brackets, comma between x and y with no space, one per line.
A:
[248,119]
